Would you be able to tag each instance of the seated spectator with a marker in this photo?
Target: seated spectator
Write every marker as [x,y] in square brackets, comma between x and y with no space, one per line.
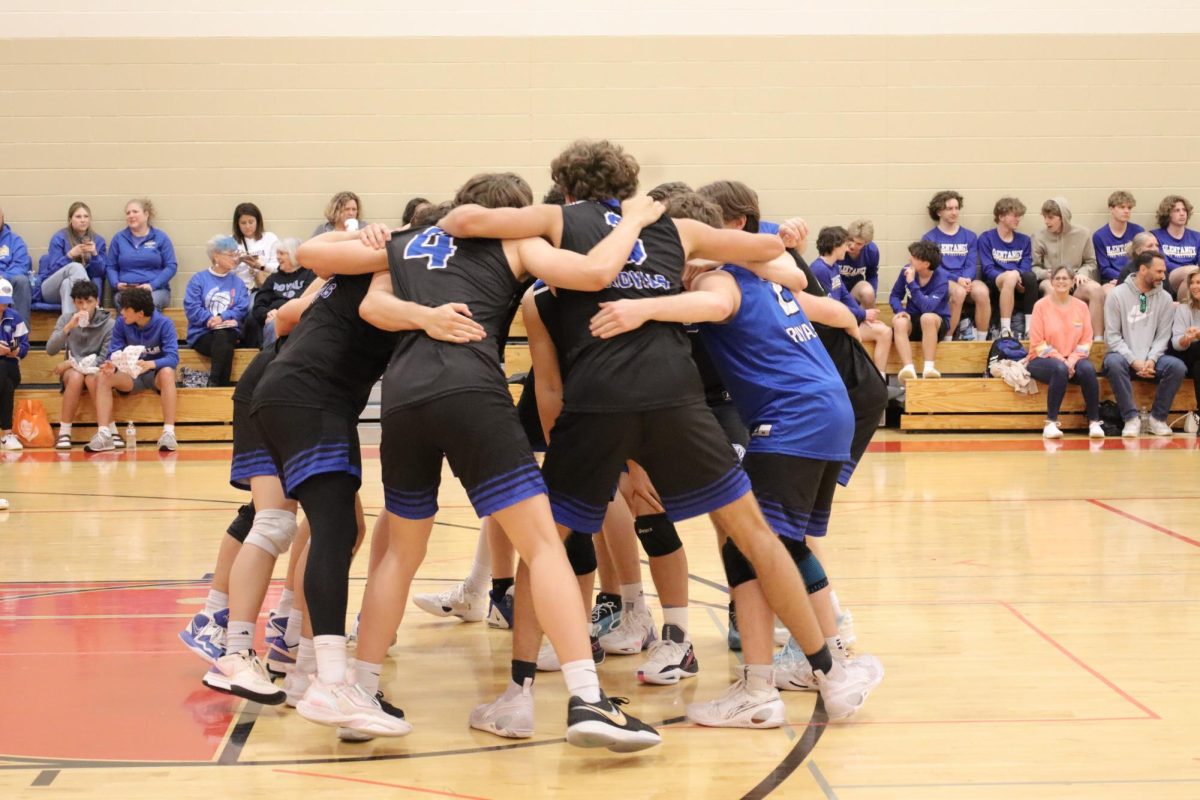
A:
[411,208]
[256,245]
[343,207]
[1185,332]
[1137,329]
[1060,338]
[1061,244]
[216,303]
[287,284]
[16,268]
[920,308]
[860,267]
[1180,245]
[138,323]
[1006,262]
[76,253]
[1141,243]
[960,265]
[86,332]
[141,255]
[1111,242]
[832,244]
[14,344]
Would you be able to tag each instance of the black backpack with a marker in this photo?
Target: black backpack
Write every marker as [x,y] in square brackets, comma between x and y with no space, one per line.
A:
[1006,348]
[1111,419]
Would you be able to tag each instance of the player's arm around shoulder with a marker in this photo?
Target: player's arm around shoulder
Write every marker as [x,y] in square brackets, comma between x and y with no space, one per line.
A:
[828,311]
[714,297]
[472,221]
[450,322]
[346,252]
[727,246]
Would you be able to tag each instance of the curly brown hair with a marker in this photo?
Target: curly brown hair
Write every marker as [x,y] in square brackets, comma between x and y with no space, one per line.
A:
[736,199]
[1007,205]
[1163,215]
[595,169]
[691,205]
[495,190]
[938,203]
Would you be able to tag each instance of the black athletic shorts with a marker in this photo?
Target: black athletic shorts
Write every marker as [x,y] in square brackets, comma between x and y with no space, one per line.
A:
[917,333]
[687,456]
[868,398]
[251,459]
[481,436]
[527,411]
[795,493]
[730,422]
[304,442]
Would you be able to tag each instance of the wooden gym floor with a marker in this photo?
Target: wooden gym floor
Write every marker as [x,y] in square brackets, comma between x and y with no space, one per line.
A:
[1036,608]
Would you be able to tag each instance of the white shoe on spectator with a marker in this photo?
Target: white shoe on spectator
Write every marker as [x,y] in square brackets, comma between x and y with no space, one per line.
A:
[102,442]
[1095,430]
[11,442]
[1051,431]
[907,372]
[167,442]
[3,504]
[1132,429]
[930,372]
[1160,428]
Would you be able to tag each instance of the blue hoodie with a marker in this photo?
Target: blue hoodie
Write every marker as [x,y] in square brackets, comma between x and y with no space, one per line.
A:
[158,336]
[831,281]
[14,255]
[997,255]
[959,256]
[865,267]
[57,258]
[211,295]
[141,259]
[14,332]
[932,298]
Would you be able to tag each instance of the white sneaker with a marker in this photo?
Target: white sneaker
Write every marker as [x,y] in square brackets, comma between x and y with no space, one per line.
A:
[11,442]
[295,684]
[102,442]
[353,735]
[454,602]
[547,660]
[1051,431]
[845,625]
[907,372]
[1160,428]
[632,634]
[509,715]
[346,705]
[1095,430]
[845,688]
[1132,429]
[930,372]
[242,674]
[63,442]
[167,443]
[738,707]
[671,658]
[793,673]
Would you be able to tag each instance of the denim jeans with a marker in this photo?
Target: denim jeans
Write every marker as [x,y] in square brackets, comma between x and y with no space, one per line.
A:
[1053,372]
[1168,374]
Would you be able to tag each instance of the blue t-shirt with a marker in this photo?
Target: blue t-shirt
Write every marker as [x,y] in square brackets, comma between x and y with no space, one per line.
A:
[782,381]
[1179,252]
[831,281]
[864,267]
[997,255]
[1110,250]
[959,257]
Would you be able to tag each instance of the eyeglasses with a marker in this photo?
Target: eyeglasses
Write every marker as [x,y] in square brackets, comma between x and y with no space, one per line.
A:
[1142,303]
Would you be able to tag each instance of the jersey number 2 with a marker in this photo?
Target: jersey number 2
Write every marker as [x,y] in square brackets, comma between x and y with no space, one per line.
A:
[786,301]
[434,244]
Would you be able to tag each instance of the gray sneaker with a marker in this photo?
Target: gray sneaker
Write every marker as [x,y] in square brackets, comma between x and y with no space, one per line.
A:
[167,442]
[102,442]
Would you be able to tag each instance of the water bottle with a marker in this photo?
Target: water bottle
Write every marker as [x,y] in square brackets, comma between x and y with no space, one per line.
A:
[130,436]
[1144,416]
[352,224]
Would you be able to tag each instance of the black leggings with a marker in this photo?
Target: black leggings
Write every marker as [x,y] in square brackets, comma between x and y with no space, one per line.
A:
[328,502]
[219,346]
[1191,359]
[10,379]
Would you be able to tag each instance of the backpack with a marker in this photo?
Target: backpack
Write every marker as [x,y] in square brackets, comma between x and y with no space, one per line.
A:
[1006,348]
[1111,419]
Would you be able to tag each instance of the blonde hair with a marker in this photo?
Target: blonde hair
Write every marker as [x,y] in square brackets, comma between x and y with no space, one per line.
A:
[862,229]
[1135,244]
[147,206]
[337,202]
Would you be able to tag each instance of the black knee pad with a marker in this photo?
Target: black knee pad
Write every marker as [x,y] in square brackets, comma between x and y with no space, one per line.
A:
[240,527]
[810,568]
[738,569]
[657,535]
[581,552]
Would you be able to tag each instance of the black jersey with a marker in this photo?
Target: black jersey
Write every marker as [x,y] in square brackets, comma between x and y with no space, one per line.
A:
[333,357]
[647,368]
[431,268]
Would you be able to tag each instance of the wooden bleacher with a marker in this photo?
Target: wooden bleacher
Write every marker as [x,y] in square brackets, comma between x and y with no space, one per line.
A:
[38,368]
[204,415]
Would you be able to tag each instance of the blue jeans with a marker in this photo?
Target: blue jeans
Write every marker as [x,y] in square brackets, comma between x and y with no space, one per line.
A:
[1053,372]
[1168,374]
[22,295]
[269,336]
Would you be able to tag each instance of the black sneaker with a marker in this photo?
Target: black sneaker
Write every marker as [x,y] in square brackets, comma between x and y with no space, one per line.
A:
[604,724]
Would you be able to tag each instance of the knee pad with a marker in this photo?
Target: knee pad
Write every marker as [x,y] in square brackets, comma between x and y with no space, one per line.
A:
[657,535]
[738,569]
[810,568]
[581,552]
[272,531]
[240,527]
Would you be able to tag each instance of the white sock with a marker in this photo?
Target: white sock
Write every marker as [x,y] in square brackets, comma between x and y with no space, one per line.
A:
[632,597]
[928,366]
[306,657]
[759,677]
[239,636]
[331,658]
[581,680]
[284,607]
[1006,323]
[64,429]
[168,428]
[479,578]
[295,626]
[215,602]
[367,676]
[677,616]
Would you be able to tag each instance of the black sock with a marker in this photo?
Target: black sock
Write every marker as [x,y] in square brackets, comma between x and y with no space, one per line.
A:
[522,670]
[608,597]
[821,660]
[501,585]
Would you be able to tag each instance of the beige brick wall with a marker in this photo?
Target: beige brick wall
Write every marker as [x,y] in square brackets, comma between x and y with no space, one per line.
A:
[830,128]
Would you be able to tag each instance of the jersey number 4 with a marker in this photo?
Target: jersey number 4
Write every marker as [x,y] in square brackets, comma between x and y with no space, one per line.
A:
[434,244]
[638,255]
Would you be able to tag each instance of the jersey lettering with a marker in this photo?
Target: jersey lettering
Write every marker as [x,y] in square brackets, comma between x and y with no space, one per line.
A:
[637,256]
[786,301]
[434,244]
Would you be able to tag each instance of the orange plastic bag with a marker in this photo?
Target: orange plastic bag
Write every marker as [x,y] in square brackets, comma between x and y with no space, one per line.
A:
[31,424]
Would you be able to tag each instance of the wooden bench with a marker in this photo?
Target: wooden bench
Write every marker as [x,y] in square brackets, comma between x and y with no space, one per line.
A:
[38,368]
[965,358]
[202,414]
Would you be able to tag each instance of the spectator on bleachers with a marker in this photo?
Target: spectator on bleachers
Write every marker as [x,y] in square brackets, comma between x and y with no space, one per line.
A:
[256,246]
[1061,244]
[287,284]
[16,268]
[860,267]
[76,253]
[141,255]
[1140,243]
[1060,338]
[920,308]
[216,303]
[343,207]
[1180,245]
[14,344]
[1006,262]
[1112,241]
[85,334]
[1185,332]
[1137,329]
[138,323]
[960,266]
[410,208]
[832,244]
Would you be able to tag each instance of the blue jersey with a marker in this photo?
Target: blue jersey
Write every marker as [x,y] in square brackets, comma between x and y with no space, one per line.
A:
[864,267]
[1111,250]
[781,379]
[959,256]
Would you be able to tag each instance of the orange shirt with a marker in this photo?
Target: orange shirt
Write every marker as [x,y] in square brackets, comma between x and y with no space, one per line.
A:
[1062,332]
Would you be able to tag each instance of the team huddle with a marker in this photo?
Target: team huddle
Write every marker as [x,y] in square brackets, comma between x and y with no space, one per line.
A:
[685,362]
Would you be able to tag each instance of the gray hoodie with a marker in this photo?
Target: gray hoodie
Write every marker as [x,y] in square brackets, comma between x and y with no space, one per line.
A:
[80,341]
[1135,334]
[1071,248]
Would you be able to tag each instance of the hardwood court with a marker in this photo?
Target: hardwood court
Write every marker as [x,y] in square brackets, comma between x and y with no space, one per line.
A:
[1036,608]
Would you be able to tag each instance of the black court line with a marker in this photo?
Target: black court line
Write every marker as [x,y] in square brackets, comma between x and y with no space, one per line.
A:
[241,734]
[792,761]
[45,777]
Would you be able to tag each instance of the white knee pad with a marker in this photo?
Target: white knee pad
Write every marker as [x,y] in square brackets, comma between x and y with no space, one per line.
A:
[272,531]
